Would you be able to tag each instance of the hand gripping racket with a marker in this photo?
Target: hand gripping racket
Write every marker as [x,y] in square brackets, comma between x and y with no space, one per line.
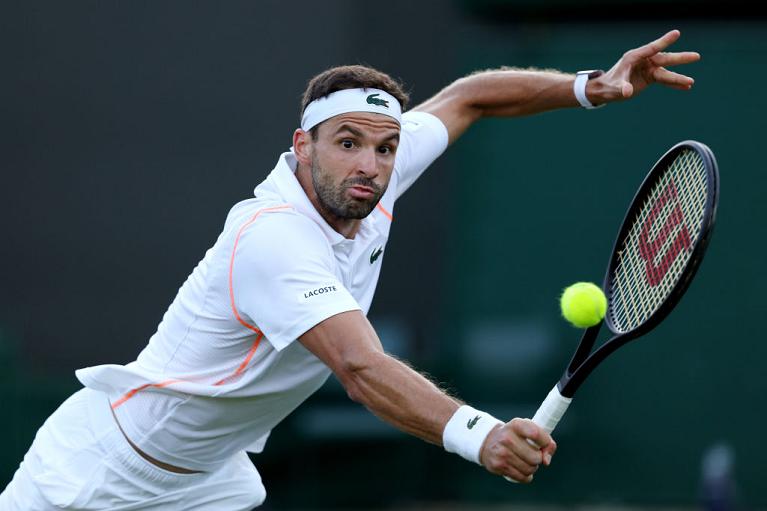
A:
[656,254]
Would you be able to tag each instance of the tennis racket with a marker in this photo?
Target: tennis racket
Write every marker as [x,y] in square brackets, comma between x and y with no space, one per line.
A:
[657,251]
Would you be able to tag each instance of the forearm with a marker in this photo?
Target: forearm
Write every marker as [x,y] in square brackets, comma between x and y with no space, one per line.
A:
[504,92]
[513,92]
[400,396]
[406,399]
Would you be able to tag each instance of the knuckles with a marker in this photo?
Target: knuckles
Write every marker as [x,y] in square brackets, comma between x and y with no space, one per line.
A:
[506,439]
[521,477]
[505,461]
[497,466]
[519,426]
[507,453]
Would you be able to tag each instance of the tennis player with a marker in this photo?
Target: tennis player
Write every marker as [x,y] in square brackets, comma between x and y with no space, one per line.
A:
[279,302]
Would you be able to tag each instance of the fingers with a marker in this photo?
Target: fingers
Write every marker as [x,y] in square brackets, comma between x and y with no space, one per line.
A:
[657,46]
[531,443]
[503,460]
[515,469]
[675,59]
[520,476]
[627,90]
[522,465]
[512,450]
[528,429]
[676,80]
[548,452]
[526,451]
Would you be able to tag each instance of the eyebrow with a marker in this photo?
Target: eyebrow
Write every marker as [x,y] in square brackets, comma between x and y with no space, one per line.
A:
[358,133]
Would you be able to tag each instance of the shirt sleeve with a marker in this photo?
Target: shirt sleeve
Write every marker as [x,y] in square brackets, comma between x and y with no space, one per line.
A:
[422,139]
[283,278]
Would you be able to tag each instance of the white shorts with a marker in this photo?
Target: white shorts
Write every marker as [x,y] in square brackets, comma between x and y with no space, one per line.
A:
[80,460]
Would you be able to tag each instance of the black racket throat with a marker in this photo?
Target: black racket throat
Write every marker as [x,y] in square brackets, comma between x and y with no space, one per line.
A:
[651,239]
[584,361]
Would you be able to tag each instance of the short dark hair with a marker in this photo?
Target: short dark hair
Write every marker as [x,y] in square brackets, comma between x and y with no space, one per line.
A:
[351,77]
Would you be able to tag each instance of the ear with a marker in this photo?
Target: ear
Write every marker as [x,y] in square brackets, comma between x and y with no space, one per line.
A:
[302,146]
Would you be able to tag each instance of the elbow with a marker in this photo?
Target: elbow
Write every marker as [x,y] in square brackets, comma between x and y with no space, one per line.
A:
[353,386]
[459,100]
[352,378]
[354,373]
[354,392]
[464,96]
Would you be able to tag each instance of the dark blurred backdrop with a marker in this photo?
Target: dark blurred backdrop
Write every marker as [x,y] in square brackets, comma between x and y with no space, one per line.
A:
[129,129]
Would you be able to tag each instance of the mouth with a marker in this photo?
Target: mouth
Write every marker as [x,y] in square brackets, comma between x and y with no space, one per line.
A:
[362,192]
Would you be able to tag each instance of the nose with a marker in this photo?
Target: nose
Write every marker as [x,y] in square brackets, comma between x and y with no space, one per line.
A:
[367,164]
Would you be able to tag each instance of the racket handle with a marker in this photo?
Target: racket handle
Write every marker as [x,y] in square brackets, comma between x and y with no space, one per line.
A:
[549,414]
[551,410]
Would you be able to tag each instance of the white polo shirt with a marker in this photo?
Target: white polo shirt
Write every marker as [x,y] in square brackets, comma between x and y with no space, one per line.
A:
[224,366]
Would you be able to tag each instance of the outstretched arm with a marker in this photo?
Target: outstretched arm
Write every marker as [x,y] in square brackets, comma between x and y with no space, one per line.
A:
[348,344]
[406,399]
[510,92]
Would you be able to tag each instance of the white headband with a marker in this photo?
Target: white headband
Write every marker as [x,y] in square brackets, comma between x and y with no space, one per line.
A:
[350,100]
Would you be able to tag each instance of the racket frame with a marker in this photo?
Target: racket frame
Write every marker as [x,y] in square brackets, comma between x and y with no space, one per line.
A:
[584,361]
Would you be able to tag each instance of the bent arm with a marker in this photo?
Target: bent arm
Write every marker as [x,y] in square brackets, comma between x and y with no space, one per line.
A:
[389,388]
[509,92]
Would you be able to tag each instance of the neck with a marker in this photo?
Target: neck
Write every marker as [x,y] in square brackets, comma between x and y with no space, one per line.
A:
[346,227]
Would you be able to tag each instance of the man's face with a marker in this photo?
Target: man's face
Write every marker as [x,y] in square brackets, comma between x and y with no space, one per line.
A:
[352,162]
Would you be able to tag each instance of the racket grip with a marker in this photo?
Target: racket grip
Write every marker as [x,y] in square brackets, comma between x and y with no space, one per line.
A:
[549,414]
[551,410]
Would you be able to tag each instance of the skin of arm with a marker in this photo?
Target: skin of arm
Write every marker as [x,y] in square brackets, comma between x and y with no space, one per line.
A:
[390,389]
[512,92]
[401,396]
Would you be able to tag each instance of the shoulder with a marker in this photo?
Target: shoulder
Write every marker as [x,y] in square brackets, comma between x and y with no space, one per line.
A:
[422,139]
[279,236]
[423,122]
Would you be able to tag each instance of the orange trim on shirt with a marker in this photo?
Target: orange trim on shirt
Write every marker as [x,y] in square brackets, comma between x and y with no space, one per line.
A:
[259,333]
[231,266]
[245,362]
[135,391]
[386,213]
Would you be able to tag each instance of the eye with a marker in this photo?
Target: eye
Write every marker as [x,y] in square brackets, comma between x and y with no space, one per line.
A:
[348,144]
[385,149]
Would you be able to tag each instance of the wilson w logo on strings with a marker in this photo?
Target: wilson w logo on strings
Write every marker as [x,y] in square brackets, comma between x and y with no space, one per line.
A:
[657,265]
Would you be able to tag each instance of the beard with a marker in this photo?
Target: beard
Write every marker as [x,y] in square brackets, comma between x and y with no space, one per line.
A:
[333,199]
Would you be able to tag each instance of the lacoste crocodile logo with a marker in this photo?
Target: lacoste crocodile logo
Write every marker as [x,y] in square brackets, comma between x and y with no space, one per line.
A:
[376,254]
[373,100]
[472,422]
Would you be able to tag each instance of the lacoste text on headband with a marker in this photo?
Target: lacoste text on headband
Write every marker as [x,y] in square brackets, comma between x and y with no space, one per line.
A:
[350,100]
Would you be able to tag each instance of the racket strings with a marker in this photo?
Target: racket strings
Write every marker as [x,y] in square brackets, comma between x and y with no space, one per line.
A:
[659,243]
[657,221]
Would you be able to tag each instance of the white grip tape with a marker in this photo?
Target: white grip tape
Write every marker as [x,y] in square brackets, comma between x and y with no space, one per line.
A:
[549,414]
[551,410]
[466,431]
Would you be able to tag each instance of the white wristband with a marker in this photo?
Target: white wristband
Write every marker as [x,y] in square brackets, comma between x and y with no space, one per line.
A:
[466,431]
[579,87]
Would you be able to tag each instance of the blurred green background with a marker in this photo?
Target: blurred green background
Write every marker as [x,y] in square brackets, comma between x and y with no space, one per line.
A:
[129,129]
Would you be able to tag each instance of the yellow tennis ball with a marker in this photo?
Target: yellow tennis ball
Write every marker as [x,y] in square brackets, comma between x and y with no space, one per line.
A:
[583,304]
